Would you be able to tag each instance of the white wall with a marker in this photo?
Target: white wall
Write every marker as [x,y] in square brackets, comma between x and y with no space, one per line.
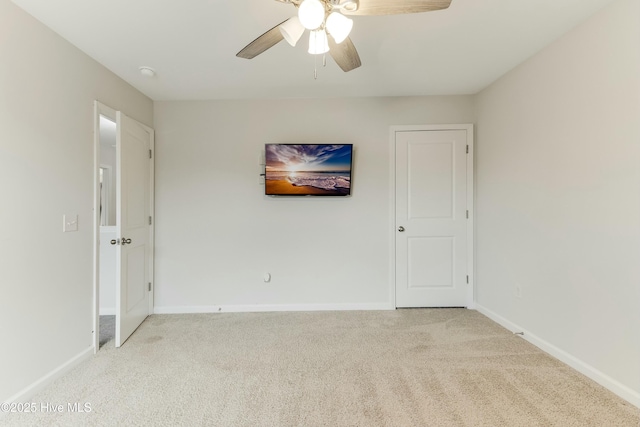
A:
[108,158]
[47,89]
[558,196]
[216,233]
[107,233]
[107,271]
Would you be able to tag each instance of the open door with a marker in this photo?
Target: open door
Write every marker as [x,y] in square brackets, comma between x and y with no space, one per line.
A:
[134,240]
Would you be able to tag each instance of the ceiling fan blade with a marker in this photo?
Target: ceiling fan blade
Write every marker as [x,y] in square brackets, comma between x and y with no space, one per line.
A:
[345,54]
[397,7]
[262,43]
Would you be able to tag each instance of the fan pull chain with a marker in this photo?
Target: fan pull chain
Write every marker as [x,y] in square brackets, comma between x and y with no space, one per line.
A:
[315,67]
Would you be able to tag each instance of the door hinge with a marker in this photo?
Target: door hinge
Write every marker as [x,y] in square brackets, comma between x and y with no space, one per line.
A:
[467,214]
[467,280]
[467,149]
[150,221]
[151,155]
[150,285]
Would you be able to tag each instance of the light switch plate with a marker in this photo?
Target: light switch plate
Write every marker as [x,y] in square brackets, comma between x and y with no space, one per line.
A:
[69,223]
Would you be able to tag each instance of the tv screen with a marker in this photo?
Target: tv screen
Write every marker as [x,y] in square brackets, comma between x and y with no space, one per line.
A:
[308,169]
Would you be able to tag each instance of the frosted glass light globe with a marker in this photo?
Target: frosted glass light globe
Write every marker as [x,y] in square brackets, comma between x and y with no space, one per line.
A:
[318,43]
[339,26]
[311,14]
[292,30]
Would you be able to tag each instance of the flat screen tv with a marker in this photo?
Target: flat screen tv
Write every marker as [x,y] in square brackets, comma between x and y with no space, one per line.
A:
[308,169]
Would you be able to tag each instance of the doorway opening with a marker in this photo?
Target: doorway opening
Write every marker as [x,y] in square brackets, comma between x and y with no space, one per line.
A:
[123,225]
[107,173]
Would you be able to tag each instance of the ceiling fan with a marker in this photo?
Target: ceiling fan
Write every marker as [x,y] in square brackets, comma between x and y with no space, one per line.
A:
[330,27]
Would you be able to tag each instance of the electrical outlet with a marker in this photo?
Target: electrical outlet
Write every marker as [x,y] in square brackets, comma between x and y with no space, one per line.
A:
[69,223]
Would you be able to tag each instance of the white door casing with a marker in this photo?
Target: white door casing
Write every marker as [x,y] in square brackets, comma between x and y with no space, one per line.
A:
[134,205]
[433,236]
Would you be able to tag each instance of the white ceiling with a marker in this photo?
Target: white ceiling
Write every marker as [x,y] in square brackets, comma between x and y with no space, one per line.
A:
[192,45]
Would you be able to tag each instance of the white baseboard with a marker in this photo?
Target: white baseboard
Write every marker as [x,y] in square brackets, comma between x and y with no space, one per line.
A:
[596,375]
[28,392]
[256,308]
[111,311]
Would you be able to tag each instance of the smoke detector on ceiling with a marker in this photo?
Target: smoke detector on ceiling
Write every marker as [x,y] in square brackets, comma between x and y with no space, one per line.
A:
[147,71]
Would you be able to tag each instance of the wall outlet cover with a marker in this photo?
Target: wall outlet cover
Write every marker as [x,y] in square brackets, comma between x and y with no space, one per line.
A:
[69,223]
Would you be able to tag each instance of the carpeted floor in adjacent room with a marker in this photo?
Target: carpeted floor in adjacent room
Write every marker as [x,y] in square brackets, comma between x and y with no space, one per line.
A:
[420,367]
[107,329]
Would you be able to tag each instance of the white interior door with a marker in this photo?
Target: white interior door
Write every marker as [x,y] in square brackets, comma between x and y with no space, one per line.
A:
[134,204]
[431,218]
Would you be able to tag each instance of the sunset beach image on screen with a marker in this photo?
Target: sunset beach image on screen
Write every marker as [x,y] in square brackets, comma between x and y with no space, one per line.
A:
[308,169]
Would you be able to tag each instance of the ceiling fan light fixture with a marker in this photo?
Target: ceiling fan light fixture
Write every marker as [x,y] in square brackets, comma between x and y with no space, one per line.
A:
[339,26]
[311,14]
[292,30]
[318,43]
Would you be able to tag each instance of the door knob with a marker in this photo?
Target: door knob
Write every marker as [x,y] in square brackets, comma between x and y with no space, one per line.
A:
[401,229]
[115,242]
[126,241]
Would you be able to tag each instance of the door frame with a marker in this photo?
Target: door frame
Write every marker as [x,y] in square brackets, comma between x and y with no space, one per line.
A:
[469,128]
[100,109]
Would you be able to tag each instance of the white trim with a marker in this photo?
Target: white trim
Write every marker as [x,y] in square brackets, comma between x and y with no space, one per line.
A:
[107,311]
[257,308]
[469,128]
[152,214]
[392,215]
[471,191]
[584,368]
[28,392]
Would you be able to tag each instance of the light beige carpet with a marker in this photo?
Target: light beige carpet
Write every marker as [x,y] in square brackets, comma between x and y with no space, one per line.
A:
[439,367]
